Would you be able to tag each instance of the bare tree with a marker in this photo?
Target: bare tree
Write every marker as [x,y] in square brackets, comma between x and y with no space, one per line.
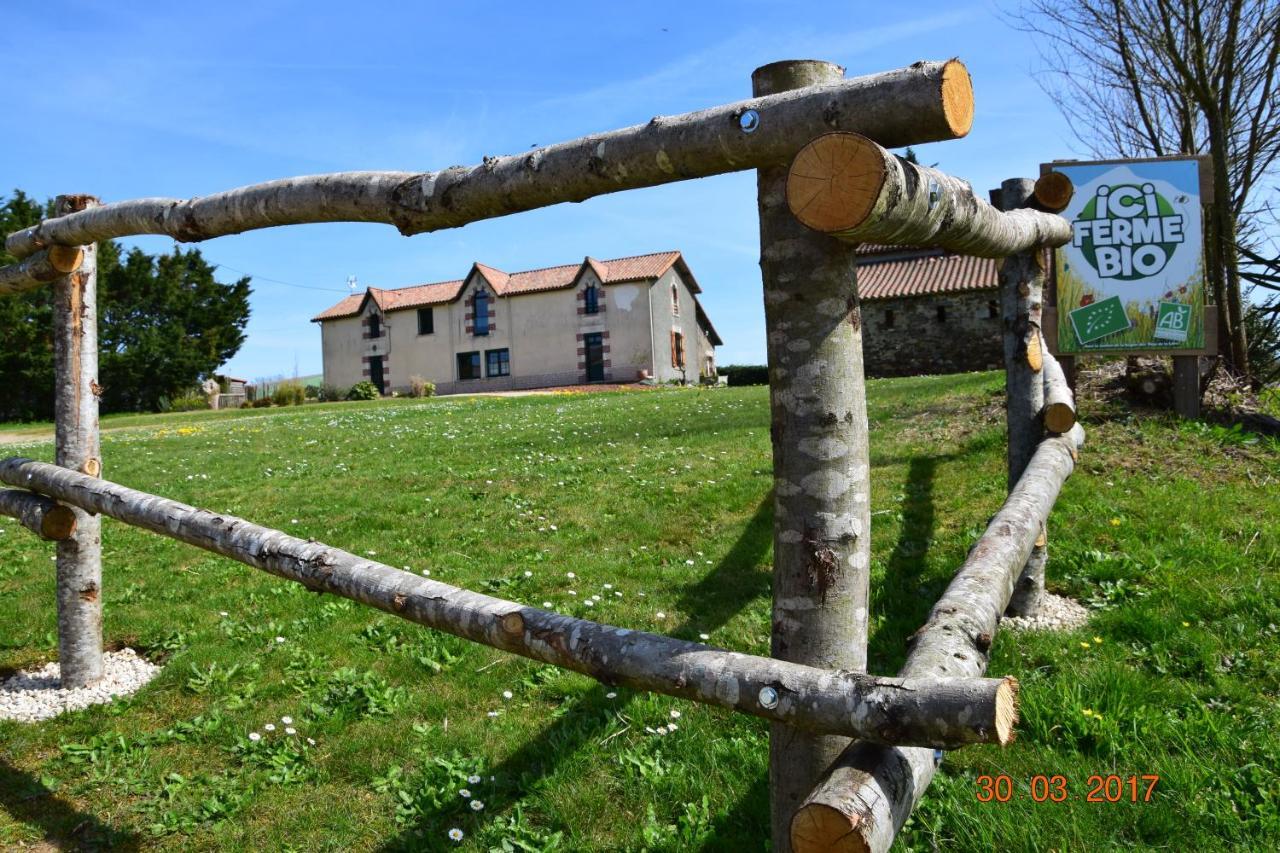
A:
[1165,77]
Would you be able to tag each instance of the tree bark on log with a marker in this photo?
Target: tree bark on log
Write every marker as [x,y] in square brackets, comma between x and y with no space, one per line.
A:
[1021,280]
[887,710]
[822,512]
[925,102]
[847,186]
[869,792]
[1059,414]
[43,517]
[39,269]
[76,446]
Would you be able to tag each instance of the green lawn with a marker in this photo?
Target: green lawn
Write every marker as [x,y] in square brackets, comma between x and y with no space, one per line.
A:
[658,502]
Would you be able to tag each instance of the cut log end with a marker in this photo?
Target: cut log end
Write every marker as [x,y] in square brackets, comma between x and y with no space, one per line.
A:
[1007,711]
[957,97]
[1035,360]
[820,828]
[1059,417]
[58,524]
[834,181]
[513,623]
[1053,192]
[65,259]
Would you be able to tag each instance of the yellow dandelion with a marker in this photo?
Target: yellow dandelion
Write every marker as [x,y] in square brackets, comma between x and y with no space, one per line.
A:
[1115,522]
[1097,639]
[1088,712]
[1084,645]
[1097,716]
[1186,624]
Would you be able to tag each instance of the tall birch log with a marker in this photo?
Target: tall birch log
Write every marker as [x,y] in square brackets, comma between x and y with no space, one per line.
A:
[822,515]
[1021,282]
[870,791]
[925,102]
[40,269]
[887,710]
[1059,414]
[847,186]
[76,446]
[43,517]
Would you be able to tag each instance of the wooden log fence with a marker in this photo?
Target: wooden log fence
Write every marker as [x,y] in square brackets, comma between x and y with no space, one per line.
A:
[850,753]
[847,186]
[868,793]
[942,712]
[45,518]
[925,102]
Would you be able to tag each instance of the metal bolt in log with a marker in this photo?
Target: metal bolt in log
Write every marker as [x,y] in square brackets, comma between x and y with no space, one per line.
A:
[818,415]
[925,102]
[942,712]
[847,186]
[76,443]
[869,792]
[46,518]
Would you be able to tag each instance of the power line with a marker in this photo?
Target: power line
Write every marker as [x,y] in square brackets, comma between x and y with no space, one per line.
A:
[217,265]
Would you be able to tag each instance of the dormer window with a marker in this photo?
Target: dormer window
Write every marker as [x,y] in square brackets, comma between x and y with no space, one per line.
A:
[480,309]
[375,326]
[591,299]
[675,300]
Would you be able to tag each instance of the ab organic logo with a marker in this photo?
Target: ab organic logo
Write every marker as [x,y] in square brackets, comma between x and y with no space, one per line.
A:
[1128,232]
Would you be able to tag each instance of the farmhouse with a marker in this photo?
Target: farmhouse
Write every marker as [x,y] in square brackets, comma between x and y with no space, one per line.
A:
[595,321]
[927,311]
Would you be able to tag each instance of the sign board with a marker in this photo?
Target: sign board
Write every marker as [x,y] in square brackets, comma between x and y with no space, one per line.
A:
[1132,277]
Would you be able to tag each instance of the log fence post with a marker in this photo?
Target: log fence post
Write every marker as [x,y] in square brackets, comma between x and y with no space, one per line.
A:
[1021,279]
[77,446]
[820,459]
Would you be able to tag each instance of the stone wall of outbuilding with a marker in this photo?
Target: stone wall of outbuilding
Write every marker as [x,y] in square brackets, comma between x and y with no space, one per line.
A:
[938,333]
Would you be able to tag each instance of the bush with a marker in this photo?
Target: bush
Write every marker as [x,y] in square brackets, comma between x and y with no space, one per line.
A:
[419,387]
[261,403]
[289,393]
[332,393]
[188,403]
[746,374]
[312,392]
[365,390]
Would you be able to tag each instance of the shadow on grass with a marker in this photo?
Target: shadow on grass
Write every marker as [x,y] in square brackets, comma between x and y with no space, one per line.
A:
[28,800]
[898,595]
[723,593]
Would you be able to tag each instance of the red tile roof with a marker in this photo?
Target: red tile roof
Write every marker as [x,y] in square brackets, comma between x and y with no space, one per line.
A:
[634,268]
[923,274]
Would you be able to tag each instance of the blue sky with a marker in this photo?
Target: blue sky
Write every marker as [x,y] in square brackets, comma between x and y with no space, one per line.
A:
[128,100]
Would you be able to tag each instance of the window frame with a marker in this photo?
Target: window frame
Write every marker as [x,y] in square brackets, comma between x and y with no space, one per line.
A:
[473,357]
[480,299]
[678,360]
[504,362]
[375,325]
[591,299]
[430,314]
[675,299]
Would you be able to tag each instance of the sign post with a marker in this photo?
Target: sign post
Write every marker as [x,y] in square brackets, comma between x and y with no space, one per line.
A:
[1132,279]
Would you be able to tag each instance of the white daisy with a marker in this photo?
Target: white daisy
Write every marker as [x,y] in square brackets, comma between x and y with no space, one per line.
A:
[288,721]
[477,806]
[290,730]
[254,736]
[507,694]
[271,727]
[464,793]
[474,780]
[455,834]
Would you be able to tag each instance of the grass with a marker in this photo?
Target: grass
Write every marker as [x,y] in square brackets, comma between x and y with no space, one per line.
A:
[1169,533]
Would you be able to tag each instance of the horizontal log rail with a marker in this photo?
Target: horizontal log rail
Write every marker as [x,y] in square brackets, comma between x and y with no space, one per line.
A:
[930,711]
[41,268]
[846,185]
[867,794]
[1059,413]
[46,518]
[925,102]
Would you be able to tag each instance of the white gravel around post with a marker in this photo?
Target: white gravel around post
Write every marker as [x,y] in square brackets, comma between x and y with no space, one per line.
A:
[1055,613]
[30,696]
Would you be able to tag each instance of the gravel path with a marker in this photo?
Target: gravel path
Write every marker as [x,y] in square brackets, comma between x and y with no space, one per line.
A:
[1056,613]
[31,696]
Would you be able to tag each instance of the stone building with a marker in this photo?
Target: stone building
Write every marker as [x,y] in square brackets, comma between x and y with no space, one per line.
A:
[594,321]
[928,311]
